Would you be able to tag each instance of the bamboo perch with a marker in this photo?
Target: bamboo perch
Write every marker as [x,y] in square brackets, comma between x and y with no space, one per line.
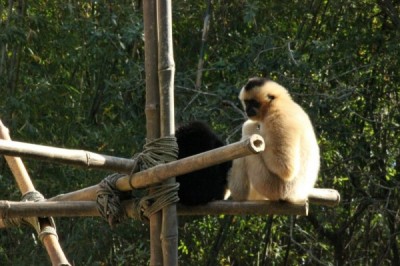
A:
[67,156]
[324,196]
[319,196]
[25,185]
[254,144]
[88,208]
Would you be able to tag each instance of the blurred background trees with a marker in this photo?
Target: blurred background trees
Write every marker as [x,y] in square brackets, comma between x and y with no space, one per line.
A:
[72,75]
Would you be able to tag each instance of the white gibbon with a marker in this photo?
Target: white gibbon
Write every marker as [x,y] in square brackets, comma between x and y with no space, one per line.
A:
[288,167]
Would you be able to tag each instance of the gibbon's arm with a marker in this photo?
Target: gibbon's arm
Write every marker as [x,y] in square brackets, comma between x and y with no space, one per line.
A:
[238,181]
[284,157]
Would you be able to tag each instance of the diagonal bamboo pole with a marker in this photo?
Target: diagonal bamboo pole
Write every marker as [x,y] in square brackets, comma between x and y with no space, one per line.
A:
[25,185]
[254,144]
[152,111]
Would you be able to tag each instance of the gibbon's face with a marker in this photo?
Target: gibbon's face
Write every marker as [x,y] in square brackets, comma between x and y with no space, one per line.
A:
[258,95]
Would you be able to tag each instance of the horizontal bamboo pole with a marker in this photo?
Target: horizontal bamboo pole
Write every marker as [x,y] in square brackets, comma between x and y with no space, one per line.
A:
[324,196]
[162,172]
[66,156]
[88,208]
[11,209]
[260,207]
[319,196]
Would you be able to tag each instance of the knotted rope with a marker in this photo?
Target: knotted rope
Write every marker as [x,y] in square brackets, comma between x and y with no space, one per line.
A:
[109,200]
[159,151]
[33,196]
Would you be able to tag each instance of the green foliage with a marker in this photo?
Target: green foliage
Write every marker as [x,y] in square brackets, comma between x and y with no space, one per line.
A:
[72,75]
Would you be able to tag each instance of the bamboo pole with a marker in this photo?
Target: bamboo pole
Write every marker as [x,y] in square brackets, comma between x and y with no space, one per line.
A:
[200,64]
[152,108]
[319,196]
[66,156]
[152,111]
[89,208]
[324,196]
[25,185]
[254,144]
[166,74]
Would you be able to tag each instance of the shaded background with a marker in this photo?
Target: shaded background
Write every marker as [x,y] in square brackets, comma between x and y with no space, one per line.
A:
[72,75]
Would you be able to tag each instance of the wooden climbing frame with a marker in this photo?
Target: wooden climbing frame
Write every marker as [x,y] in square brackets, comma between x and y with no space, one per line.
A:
[159,109]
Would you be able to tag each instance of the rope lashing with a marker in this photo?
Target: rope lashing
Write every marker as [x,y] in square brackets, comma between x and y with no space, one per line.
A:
[32,196]
[161,196]
[159,151]
[109,200]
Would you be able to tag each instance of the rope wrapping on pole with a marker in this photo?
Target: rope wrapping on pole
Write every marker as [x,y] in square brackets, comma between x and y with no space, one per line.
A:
[109,200]
[159,151]
[32,196]
[16,222]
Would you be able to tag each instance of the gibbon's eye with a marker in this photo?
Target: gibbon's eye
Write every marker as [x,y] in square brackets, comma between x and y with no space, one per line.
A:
[271,97]
[252,103]
[251,107]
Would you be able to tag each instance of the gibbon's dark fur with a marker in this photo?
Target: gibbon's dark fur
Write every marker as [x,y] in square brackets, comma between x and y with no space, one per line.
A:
[207,184]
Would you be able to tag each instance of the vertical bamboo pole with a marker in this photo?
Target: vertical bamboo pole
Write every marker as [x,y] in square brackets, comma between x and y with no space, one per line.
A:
[25,185]
[206,27]
[152,111]
[166,72]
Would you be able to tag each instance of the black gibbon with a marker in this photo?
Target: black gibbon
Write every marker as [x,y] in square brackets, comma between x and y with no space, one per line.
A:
[205,185]
[288,168]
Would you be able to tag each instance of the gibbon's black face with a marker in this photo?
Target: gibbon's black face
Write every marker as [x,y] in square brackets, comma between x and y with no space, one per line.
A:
[251,107]
[252,97]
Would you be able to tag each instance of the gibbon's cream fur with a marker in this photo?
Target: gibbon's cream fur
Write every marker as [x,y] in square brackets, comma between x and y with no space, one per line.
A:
[288,168]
